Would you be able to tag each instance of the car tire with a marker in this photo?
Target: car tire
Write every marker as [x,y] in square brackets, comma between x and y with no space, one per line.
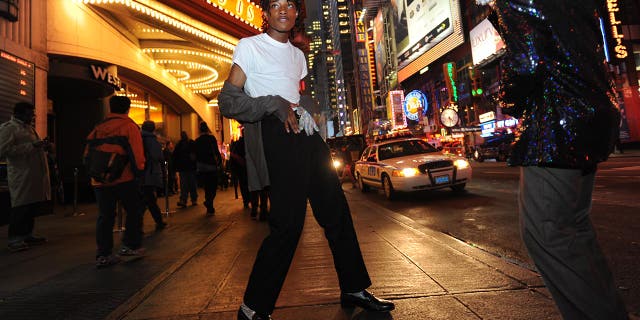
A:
[387,188]
[458,187]
[363,187]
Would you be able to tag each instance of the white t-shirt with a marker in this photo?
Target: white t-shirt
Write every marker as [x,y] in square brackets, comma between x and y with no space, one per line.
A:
[271,67]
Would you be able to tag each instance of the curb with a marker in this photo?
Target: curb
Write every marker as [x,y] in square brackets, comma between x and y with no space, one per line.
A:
[135,300]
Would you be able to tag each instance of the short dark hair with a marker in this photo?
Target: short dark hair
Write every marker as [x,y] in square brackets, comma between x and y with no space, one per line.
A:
[264,4]
[148,126]
[204,128]
[22,107]
[119,104]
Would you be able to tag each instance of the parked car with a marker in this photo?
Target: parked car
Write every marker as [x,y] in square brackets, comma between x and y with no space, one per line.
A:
[497,147]
[410,164]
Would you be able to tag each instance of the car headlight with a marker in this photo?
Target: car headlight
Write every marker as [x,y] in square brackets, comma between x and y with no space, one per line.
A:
[406,172]
[337,164]
[461,164]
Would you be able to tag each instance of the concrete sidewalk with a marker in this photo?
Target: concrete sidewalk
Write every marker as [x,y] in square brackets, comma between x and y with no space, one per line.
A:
[429,275]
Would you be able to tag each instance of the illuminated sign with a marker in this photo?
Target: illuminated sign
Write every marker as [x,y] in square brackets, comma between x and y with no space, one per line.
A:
[487,116]
[17,83]
[361,29]
[507,123]
[420,25]
[451,79]
[242,9]
[379,46]
[415,103]
[619,48]
[395,108]
[485,42]
[487,129]
[103,74]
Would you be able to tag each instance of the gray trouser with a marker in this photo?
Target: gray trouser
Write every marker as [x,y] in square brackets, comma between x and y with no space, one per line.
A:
[554,219]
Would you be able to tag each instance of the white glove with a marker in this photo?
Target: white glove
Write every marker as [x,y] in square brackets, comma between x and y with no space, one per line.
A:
[483,2]
[306,122]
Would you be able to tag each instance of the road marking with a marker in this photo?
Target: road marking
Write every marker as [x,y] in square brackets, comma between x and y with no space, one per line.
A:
[631,168]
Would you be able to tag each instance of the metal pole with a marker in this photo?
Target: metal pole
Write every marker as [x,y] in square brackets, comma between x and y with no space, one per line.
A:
[119,218]
[75,194]
[166,189]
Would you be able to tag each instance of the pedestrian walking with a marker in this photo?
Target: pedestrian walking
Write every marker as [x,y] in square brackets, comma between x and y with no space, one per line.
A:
[294,164]
[555,79]
[122,186]
[238,166]
[260,199]
[153,171]
[208,164]
[167,153]
[27,175]
[184,159]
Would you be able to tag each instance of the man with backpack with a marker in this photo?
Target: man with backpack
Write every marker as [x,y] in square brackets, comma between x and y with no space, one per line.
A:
[117,137]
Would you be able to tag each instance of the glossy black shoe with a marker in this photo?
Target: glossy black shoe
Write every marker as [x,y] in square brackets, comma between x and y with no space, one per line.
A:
[242,316]
[368,302]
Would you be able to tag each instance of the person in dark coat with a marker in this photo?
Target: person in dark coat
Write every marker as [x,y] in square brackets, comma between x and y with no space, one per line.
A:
[208,164]
[153,172]
[167,152]
[238,165]
[184,159]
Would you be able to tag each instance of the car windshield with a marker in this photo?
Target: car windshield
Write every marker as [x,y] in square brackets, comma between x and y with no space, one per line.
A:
[404,148]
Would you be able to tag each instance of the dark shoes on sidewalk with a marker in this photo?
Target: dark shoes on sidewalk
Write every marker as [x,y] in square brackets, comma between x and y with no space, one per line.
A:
[28,242]
[17,246]
[107,261]
[160,226]
[365,300]
[128,252]
[35,240]
[242,316]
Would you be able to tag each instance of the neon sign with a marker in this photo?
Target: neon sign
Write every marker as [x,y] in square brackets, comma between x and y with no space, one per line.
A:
[414,102]
[620,49]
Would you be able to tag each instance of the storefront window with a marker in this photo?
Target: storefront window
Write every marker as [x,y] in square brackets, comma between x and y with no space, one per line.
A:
[144,106]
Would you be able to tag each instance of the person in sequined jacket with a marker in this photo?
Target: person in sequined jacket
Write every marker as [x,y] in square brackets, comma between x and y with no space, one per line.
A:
[554,78]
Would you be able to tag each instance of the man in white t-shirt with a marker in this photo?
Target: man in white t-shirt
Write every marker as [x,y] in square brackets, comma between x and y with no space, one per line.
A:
[284,151]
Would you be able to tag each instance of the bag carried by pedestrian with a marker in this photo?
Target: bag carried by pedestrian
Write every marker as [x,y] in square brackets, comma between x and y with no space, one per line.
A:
[106,166]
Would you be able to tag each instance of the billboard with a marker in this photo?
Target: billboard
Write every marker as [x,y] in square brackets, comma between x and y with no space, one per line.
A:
[424,31]
[486,43]
[378,43]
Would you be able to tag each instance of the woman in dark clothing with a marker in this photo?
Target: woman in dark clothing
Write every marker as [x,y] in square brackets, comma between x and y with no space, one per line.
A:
[152,179]
[208,161]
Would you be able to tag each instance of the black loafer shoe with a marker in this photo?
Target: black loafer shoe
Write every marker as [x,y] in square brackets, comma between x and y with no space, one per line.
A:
[368,302]
[242,316]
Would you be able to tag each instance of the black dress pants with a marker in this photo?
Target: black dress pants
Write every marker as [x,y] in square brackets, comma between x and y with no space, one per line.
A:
[21,222]
[300,170]
[151,200]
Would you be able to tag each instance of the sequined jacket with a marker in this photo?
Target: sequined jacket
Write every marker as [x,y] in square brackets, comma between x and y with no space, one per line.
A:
[554,79]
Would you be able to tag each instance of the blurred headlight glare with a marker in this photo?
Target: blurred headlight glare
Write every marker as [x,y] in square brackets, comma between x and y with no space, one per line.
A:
[407,172]
[461,164]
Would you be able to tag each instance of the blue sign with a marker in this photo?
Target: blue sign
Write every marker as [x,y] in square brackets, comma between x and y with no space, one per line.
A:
[415,101]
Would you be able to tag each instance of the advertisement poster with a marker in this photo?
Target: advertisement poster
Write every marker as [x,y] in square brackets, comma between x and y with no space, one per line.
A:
[420,25]
[378,37]
[485,42]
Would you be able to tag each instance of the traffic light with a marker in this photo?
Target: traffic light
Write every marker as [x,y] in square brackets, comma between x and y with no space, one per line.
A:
[476,88]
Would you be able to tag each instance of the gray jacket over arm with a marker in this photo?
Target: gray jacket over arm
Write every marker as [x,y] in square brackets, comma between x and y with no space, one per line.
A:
[236,104]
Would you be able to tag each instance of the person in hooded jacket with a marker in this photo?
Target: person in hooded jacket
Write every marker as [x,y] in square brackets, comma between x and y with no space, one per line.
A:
[153,171]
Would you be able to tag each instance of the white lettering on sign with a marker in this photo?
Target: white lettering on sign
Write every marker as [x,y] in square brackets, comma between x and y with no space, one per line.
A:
[103,74]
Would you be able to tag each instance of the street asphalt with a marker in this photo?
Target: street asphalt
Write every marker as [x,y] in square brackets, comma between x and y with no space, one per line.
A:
[197,268]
